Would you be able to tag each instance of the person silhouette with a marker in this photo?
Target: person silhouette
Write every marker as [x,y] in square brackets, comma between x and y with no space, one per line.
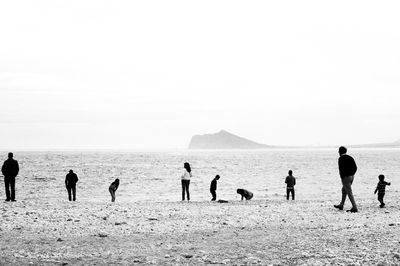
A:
[380,188]
[70,183]
[10,170]
[290,183]
[244,193]
[185,180]
[347,170]
[213,188]
[113,187]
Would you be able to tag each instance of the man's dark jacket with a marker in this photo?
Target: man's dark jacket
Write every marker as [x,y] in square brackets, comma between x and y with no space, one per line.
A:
[10,168]
[347,166]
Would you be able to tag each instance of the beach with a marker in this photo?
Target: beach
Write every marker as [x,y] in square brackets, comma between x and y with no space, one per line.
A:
[259,232]
[148,223]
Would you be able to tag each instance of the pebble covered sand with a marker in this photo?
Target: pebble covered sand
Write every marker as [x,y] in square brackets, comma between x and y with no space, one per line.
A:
[256,232]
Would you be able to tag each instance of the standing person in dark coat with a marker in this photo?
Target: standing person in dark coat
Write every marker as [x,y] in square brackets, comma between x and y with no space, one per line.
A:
[347,170]
[290,183]
[10,170]
[70,183]
[213,188]
[113,187]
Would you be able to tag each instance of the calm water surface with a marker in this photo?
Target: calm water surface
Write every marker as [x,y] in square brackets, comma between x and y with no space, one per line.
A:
[155,176]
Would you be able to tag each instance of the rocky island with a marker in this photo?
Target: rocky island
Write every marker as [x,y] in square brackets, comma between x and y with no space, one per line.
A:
[223,140]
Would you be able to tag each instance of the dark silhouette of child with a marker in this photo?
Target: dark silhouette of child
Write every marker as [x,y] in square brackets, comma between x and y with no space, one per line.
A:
[213,188]
[380,188]
[245,193]
[113,187]
[70,183]
[290,183]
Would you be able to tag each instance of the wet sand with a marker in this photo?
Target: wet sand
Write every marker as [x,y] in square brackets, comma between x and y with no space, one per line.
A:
[267,232]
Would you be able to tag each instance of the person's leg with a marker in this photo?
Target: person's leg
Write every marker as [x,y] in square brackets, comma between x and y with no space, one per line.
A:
[111,193]
[7,187]
[187,189]
[292,193]
[347,182]
[380,198]
[12,185]
[69,188]
[183,189]
[74,192]
[344,194]
[287,193]
[214,195]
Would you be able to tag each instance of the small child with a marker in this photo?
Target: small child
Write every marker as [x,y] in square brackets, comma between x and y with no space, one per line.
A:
[290,183]
[380,188]
[245,193]
[213,188]
[113,187]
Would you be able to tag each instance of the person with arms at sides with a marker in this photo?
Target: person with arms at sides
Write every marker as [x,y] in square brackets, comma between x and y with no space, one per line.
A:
[70,183]
[185,181]
[213,188]
[290,183]
[10,170]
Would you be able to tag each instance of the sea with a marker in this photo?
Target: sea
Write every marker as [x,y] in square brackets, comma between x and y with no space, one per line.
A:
[155,176]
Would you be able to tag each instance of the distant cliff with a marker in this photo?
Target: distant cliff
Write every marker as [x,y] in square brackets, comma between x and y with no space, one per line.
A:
[223,140]
[395,144]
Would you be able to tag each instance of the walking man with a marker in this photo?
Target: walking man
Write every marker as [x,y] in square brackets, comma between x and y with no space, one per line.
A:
[347,170]
[10,170]
[70,183]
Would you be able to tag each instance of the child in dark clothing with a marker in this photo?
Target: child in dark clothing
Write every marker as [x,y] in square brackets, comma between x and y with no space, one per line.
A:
[380,188]
[113,187]
[213,188]
[245,193]
[290,183]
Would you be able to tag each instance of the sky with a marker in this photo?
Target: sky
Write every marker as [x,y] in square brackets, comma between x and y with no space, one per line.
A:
[95,74]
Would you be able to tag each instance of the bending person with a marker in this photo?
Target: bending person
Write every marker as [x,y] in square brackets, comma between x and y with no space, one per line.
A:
[113,187]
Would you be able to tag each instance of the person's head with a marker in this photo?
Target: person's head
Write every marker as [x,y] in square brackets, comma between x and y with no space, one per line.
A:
[217,177]
[187,167]
[10,155]
[342,150]
[117,180]
[239,191]
[381,177]
[290,172]
[70,171]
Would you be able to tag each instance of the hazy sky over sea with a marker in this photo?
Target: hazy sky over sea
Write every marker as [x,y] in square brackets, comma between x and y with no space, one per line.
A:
[150,74]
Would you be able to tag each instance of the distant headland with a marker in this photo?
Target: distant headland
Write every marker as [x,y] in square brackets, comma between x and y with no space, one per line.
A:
[224,140]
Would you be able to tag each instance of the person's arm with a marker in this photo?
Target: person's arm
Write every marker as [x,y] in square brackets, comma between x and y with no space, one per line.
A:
[388,183]
[376,189]
[76,176]
[286,180]
[242,196]
[294,181]
[66,181]
[16,168]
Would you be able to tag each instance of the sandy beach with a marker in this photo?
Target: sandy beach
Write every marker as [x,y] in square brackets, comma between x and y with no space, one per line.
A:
[259,232]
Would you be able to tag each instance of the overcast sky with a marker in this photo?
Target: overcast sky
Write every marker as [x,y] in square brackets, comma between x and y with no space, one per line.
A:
[150,74]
